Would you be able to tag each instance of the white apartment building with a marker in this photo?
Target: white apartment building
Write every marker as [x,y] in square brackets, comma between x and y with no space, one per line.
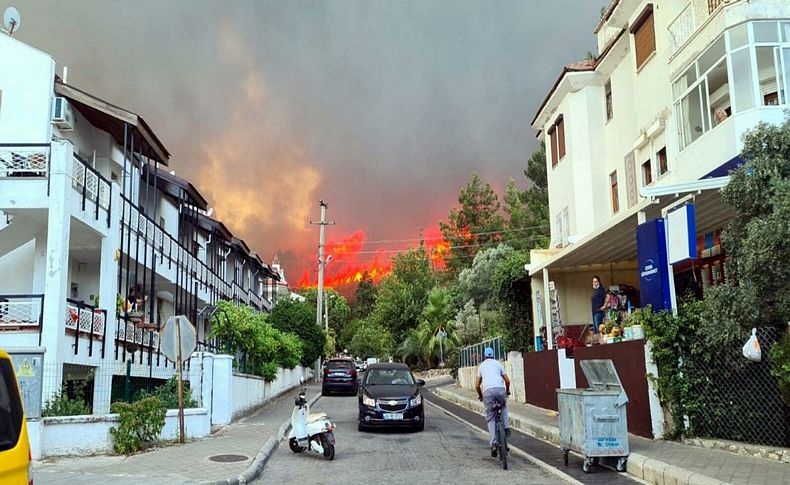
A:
[659,114]
[90,210]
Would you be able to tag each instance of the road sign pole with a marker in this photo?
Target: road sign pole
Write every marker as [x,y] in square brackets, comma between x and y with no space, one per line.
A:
[180,385]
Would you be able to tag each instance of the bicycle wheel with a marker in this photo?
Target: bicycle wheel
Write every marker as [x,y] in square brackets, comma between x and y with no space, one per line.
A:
[502,440]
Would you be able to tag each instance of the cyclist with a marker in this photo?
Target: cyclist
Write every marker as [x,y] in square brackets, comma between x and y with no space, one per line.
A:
[493,386]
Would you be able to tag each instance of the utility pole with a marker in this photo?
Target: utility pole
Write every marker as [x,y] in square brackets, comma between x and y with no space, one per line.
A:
[321,262]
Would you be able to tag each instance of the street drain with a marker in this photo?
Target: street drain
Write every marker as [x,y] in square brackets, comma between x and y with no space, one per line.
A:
[227,458]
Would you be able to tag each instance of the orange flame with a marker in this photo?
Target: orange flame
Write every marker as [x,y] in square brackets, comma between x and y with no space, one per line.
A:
[349,263]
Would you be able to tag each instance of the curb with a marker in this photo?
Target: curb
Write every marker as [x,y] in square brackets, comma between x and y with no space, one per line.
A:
[256,467]
[638,465]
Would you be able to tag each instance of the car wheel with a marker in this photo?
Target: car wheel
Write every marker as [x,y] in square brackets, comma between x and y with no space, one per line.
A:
[360,427]
[420,426]
[324,392]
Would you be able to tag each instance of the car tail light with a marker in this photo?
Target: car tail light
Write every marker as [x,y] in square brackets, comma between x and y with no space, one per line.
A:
[354,373]
[326,372]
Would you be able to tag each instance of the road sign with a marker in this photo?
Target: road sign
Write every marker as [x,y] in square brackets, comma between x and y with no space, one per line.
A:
[177,341]
[169,338]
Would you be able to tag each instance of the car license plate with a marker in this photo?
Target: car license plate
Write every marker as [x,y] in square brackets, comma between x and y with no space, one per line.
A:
[393,416]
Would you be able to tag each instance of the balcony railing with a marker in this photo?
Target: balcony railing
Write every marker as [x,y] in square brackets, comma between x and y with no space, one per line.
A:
[92,185]
[22,313]
[87,321]
[24,160]
[681,28]
[128,332]
[714,4]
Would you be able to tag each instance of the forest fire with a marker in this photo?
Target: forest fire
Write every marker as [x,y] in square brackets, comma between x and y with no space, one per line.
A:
[350,259]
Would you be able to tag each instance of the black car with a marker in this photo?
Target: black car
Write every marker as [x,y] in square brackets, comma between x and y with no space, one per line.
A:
[340,375]
[389,395]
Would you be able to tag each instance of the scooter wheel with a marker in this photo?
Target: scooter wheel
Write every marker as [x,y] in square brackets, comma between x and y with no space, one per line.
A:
[329,449]
[294,446]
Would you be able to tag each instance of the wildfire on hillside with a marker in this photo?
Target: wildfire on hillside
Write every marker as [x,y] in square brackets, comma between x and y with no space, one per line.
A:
[351,259]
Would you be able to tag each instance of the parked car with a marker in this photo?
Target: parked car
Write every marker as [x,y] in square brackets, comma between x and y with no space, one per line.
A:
[15,458]
[340,375]
[360,366]
[389,395]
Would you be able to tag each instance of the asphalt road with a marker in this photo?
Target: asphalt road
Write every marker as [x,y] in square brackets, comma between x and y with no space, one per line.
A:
[447,451]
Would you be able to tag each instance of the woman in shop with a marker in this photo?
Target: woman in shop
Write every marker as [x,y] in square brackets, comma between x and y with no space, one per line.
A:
[599,300]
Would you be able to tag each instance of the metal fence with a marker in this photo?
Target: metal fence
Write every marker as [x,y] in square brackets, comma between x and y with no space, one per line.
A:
[473,355]
[736,399]
[89,389]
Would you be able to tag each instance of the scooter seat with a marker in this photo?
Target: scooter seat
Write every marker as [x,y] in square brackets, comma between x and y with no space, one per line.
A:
[315,417]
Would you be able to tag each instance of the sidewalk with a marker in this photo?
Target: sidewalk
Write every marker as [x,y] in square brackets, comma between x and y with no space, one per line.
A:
[659,462]
[178,464]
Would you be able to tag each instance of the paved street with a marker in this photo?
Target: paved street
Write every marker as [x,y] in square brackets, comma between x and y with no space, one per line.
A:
[176,464]
[447,451]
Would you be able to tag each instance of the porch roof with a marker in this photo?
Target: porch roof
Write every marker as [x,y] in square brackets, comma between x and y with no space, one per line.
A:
[615,242]
[111,119]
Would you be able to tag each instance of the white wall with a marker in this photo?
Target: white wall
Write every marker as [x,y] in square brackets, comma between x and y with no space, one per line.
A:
[90,435]
[26,76]
[18,263]
[251,392]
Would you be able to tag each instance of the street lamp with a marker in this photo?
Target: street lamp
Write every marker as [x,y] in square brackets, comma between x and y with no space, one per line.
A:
[326,299]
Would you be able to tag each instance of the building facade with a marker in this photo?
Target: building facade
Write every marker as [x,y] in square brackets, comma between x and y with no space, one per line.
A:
[100,242]
[658,116]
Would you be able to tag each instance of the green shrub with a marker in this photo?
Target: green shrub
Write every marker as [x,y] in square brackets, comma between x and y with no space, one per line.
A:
[780,366]
[167,393]
[60,404]
[139,424]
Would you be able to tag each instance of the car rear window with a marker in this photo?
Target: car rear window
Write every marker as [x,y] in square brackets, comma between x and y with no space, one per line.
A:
[339,364]
[10,407]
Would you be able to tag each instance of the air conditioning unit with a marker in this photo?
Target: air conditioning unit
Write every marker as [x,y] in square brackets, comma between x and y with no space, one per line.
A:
[62,116]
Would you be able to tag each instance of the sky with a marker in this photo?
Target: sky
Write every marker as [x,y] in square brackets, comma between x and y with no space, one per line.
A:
[382,108]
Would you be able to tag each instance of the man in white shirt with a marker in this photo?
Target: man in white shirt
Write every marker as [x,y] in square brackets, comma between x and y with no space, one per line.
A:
[493,386]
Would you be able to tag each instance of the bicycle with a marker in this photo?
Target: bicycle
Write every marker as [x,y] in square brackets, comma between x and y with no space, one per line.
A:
[500,435]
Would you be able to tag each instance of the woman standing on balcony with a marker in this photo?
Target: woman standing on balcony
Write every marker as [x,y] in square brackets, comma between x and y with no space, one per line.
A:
[598,300]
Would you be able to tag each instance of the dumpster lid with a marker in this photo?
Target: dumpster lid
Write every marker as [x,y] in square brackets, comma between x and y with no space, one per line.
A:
[602,376]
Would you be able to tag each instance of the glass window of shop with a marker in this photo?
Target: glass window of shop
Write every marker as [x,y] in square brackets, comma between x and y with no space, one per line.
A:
[747,67]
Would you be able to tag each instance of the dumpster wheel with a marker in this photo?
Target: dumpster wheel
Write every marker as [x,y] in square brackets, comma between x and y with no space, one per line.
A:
[565,456]
[621,462]
[587,465]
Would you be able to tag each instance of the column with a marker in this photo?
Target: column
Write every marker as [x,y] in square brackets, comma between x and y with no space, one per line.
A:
[222,398]
[108,274]
[56,283]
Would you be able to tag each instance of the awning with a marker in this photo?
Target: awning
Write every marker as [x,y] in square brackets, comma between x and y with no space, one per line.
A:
[111,118]
[616,241]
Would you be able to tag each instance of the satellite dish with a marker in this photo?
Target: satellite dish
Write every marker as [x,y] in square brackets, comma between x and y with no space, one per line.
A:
[11,20]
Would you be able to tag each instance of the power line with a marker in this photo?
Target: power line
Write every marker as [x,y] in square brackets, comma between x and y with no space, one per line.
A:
[379,251]
[527,228]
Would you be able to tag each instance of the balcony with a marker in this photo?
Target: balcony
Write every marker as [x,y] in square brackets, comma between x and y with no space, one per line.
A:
[21,313]
[86,321]
[681,29]
[24,160]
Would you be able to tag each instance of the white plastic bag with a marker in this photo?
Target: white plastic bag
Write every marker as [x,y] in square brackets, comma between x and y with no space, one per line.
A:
[751,350]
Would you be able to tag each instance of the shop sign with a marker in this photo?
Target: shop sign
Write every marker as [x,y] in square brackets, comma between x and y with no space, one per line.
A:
[651,251]
[681,234]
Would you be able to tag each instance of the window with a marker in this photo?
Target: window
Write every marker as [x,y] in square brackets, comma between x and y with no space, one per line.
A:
[608,99]
[647,174]
[644,36]
[615,199]
[663,167]
[557,136]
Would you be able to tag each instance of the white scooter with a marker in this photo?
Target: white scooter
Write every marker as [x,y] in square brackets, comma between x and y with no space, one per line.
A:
[314,432]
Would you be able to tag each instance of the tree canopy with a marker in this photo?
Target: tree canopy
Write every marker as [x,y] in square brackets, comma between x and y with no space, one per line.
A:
[298,317]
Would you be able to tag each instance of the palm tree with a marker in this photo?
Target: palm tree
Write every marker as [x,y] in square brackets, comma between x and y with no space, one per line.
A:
[436,317]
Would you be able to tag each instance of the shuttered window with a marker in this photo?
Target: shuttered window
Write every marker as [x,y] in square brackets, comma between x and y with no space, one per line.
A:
[615,197]
[644,35]
[560,138]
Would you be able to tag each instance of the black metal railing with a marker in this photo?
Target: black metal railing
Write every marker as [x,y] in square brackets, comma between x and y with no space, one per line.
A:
[93,186]
[86,320]
[22,313]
